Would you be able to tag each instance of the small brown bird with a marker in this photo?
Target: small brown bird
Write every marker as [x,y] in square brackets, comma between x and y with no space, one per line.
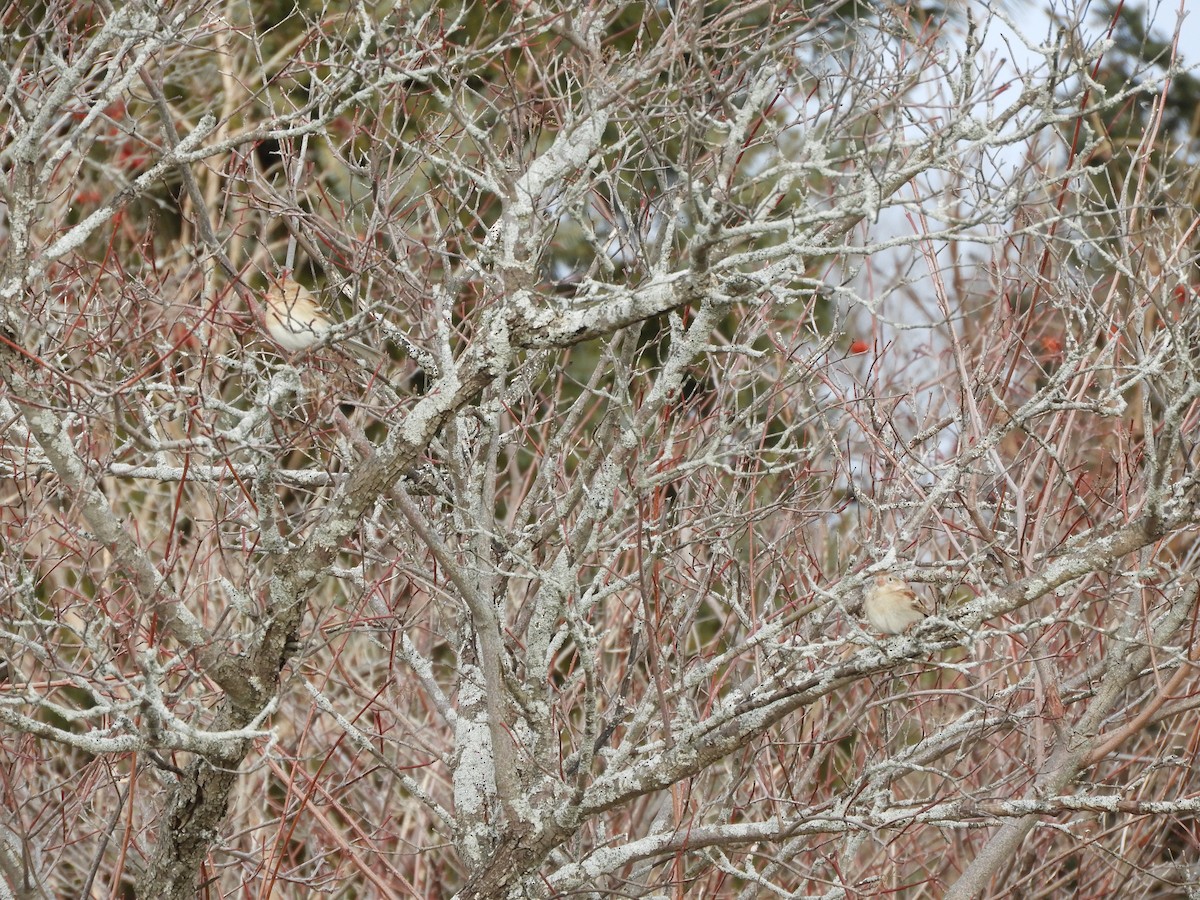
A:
[891,606]
[296,321]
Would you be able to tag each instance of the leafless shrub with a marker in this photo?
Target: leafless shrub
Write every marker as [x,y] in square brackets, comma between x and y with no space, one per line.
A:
[696,317]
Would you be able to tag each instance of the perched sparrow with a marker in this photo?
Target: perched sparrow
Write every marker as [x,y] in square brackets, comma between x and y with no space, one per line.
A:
[296,321]
[891,606]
